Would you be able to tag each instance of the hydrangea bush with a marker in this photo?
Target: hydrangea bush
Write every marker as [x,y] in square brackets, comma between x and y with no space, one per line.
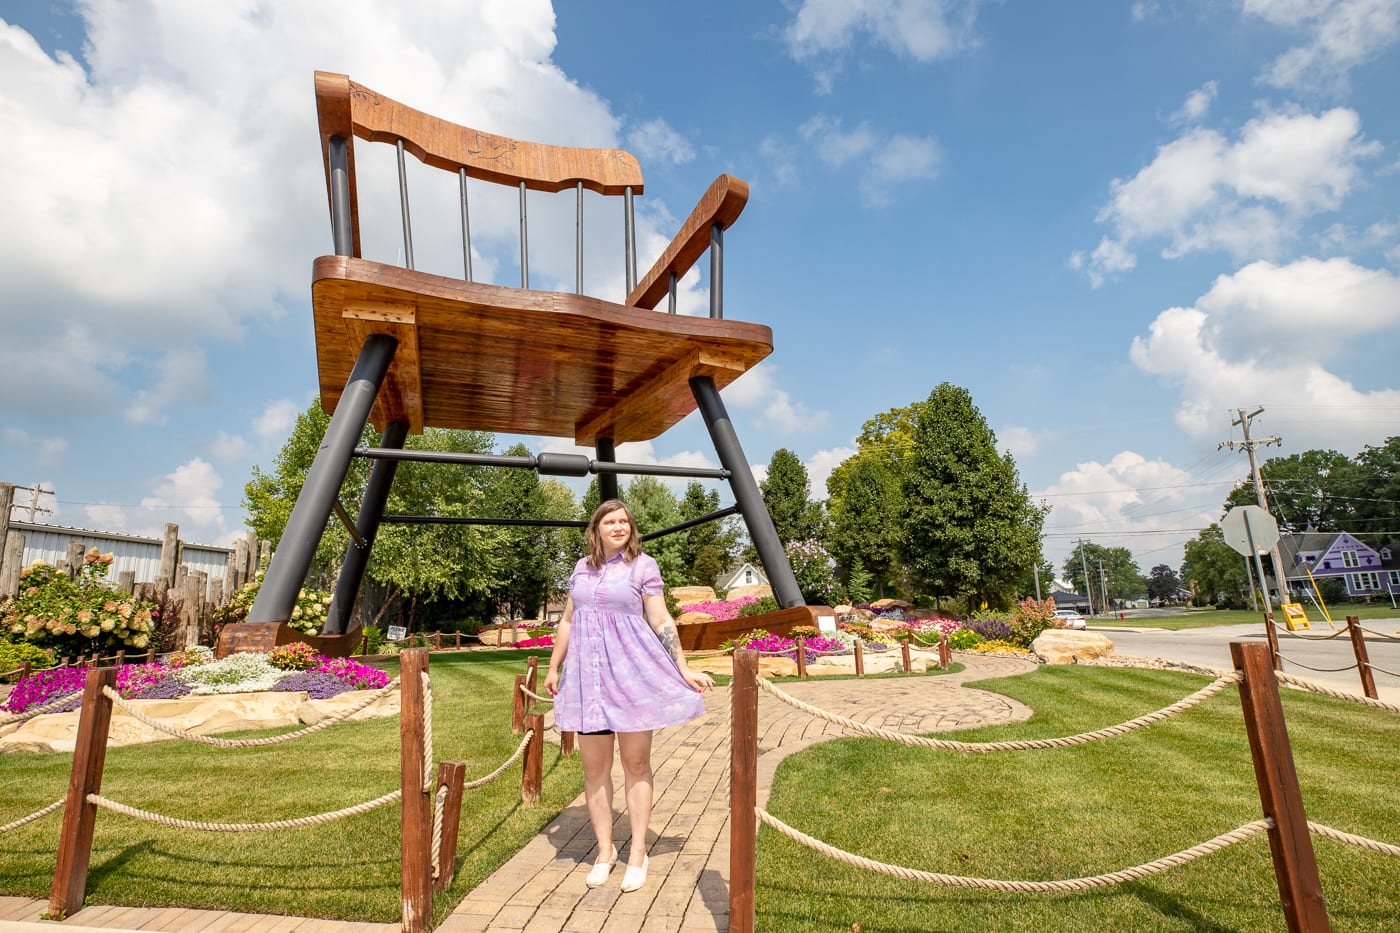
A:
[815,570]
[75,615]
[308,616]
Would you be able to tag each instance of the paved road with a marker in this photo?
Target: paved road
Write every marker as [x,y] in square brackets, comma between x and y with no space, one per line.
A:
[1210,647]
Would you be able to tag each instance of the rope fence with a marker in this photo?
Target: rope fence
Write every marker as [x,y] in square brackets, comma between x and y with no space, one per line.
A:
[300,822]
[1316,687]
[1284,819]
[1319,670]
[54,704]
[1070,741]
[1224,840]
[176,732]
[36,815]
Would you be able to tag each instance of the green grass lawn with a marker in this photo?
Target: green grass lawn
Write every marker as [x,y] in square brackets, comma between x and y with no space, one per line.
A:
[348,869]
[1201,618]
[1057,814]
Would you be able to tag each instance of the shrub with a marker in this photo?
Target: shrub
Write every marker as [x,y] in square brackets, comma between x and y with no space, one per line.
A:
[78,615]
[15,653]
[815,570]
[308,615]
[964,638]
[759,606]
[1030,617]
[994,646]
[297,656]
[991,626]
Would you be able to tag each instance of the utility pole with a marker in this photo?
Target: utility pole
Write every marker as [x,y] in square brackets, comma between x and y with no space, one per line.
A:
[1103,586]
[1084,568]
[1249,444]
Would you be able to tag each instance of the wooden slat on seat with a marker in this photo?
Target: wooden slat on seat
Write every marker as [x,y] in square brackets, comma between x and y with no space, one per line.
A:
[521,361]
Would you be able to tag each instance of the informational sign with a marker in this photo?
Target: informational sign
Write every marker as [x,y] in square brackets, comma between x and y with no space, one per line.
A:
[395,632]
[1262,528]
[826,624]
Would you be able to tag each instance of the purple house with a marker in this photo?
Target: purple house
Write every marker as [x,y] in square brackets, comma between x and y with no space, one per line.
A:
[1327,555]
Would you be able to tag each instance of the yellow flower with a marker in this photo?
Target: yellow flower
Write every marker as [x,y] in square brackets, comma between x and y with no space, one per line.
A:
[108,624]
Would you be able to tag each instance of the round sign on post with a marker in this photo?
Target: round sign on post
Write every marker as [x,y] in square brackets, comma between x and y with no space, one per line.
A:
[1262,528]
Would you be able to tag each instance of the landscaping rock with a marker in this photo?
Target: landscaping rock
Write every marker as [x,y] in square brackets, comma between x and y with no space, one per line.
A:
[505,635]
[756,590]
[1064,646]
[687,595]
[724,664]
[694,618]
[313,711]
[880,605]
[202,715]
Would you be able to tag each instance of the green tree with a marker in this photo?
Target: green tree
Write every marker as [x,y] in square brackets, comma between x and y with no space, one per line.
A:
[1373,492]
[708,549]
[1305,490]
[972,529]
[655,507]
[269,496]
[532,555]
[868,524]
[889,437]
[1213,570]
[1162,583]
[1113,574]
[787,492]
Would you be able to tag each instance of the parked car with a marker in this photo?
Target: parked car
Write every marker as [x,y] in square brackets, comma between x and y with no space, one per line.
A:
[1070,618]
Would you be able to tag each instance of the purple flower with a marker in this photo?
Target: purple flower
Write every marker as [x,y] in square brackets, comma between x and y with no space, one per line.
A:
[319,685]
[167,688]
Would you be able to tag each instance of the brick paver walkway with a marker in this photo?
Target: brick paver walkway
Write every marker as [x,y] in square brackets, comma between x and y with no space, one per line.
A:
[541,889]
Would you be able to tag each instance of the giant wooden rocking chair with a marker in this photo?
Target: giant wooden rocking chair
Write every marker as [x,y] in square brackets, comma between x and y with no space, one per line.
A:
[406,350]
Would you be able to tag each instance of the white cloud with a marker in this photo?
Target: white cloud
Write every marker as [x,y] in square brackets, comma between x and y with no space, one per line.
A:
[273,425]
[1247,196]
[1149,499]
[1339,35]
[885,161]
[1196,105]
[758,388]
[230,447]
[654,140]
[1022,442]
[171,196]
[823,32]
[181,378]
[191,493]
[822,463]
[1269,334]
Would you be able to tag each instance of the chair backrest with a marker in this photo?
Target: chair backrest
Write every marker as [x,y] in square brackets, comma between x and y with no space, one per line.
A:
[347,110]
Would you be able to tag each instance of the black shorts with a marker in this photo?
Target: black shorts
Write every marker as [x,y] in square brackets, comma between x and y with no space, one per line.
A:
[599,732]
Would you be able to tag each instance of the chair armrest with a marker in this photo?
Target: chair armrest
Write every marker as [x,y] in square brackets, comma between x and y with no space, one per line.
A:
[721,204]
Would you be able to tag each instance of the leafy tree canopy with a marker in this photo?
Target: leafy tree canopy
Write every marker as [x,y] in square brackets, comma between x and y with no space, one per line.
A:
[787,494]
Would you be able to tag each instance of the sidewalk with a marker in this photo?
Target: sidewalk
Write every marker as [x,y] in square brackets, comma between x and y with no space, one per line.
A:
[541,889]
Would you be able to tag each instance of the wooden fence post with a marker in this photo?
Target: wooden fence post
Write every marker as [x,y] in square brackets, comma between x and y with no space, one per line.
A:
[532,778]
[743,791]
[945,653]
[452,775]
[416,823]
[11,563]
[904,653]
[73,558]
[566,743]
[1272,634]
[7,499]
[532,676]
[1295,866]
[169,558]
[802,659]
[860,658]
[1363,660]
[517,706]
[79,815]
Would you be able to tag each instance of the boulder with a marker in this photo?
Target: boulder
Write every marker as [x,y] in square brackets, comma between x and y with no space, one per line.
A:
[881,605]
[686,595]
[756,590]
[1065,646]
[767,667]
[313,711]
[694,618]
[504,635]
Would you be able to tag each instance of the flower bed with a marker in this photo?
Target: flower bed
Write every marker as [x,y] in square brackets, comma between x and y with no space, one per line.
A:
[194,672]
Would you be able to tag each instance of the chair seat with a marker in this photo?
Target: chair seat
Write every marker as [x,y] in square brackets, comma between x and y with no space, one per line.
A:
[484,357]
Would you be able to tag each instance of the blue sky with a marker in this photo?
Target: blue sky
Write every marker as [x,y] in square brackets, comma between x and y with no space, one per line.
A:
[1113,223]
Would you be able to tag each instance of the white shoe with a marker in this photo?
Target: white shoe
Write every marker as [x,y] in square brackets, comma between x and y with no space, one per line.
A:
[634,878]
[598,875]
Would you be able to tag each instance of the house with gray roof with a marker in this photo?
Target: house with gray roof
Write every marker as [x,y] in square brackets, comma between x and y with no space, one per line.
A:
[1364,571]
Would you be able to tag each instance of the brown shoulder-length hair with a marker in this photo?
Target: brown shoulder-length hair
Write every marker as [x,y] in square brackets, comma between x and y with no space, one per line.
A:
[596,554]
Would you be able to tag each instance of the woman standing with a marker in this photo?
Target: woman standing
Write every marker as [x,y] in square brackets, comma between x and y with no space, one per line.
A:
[623,675]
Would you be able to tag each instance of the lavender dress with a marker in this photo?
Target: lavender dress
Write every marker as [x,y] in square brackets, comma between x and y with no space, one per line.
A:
[617,674]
